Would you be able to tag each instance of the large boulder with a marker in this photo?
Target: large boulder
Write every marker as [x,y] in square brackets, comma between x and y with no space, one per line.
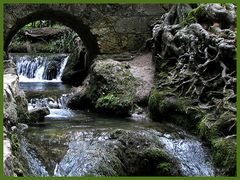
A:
[118,153]
[111,89]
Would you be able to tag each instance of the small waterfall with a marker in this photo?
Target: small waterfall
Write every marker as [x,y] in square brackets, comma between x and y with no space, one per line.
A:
[63,64]
[193,156]
[40,68]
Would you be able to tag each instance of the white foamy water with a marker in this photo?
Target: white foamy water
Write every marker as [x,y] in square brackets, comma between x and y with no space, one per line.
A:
[40,68]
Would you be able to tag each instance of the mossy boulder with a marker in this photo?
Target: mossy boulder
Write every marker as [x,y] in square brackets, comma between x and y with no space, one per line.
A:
[142,154]
[166,106]
[225,155]
[111,89]
[112,103]
[219,132]
[123,153]
[212,126]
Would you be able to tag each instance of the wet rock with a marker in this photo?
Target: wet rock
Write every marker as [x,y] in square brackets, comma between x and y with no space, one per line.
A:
[51,71]
[8,159]
[9,67]
[122,153]
[15,110]
[38,114]
[75,70]
[22,127]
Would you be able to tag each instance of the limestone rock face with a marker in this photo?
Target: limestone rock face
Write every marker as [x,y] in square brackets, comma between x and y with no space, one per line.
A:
[15,103]
[8,158]
[15,111]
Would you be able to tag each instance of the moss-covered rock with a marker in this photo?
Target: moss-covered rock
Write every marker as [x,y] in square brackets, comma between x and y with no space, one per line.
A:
[142,154]
[225,155]
[165,169]
[111,89]
[207,129]
[112,103]
[194,15]
[166,106]
[212,126]
[162,103]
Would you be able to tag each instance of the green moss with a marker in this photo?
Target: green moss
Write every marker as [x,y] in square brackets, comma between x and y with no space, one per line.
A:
[164,169]
[109,101]
[194,15]
[114,103]
[159,162]
[153,103]
[224,155]
[15,144]
[207,130]
[117,133]
[162,104]
[156,155]
[212,126]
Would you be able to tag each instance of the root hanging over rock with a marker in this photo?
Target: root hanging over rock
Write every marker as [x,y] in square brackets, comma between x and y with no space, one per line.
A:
[195,55]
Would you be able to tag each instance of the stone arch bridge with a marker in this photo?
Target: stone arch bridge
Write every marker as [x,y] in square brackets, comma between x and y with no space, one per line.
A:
[103,28]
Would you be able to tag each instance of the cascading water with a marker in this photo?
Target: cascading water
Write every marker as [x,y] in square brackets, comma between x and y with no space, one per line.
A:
[57,107]
[55,147]
[40,68]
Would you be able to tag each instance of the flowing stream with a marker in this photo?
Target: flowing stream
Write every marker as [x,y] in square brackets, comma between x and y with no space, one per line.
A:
[60,146]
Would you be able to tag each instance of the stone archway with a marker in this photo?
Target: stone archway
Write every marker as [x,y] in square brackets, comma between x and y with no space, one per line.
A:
[104,28]
[76,24]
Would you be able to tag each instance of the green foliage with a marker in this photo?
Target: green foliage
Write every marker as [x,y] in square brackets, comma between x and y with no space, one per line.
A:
[64,43]
[42,23]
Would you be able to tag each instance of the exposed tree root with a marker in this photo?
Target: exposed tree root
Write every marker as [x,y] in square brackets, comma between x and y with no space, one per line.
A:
[202,54]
